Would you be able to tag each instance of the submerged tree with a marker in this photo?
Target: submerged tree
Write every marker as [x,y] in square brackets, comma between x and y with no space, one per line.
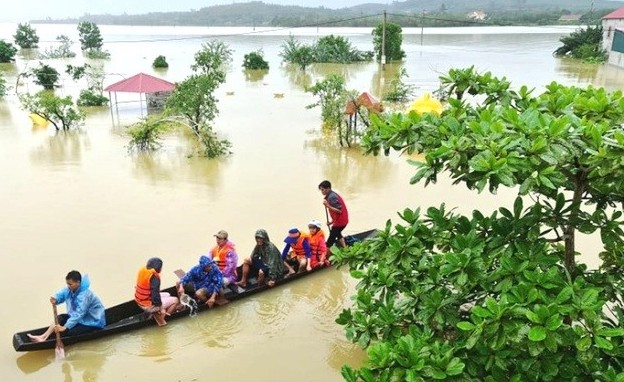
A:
[93,95]
[332,99]
[146,134]
[194,101]
[584,44]
[62,51]
[26,36]
[393,41]
[91,41]
[504,296]
[45,75]
[7,51]
[255,61]
[59,111]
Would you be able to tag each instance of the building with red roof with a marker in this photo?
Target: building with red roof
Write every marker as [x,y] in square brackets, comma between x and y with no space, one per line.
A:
[611,22]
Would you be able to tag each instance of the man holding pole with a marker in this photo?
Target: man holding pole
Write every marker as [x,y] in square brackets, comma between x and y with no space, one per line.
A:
[335,208]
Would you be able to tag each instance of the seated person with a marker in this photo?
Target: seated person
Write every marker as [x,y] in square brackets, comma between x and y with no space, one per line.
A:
[298,259]
[204,281]
[317,245]
[265,262]
[85,312]
[225,256]
[147,292]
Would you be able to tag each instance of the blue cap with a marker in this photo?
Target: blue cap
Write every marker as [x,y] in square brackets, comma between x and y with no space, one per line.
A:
[293,236]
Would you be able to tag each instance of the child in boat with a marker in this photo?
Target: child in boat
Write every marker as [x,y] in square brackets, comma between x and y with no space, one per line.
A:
[148,295]
[317,244]
[85,311]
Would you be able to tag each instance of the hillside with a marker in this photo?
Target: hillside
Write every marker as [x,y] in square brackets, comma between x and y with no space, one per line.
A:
[257,13]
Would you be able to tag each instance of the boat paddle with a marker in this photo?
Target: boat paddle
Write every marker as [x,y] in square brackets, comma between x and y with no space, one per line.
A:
[59,350]
[327,218]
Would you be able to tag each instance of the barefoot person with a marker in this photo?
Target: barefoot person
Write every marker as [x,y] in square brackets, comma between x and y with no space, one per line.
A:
[297,252]
[85,312]
[147,292]
[265,262]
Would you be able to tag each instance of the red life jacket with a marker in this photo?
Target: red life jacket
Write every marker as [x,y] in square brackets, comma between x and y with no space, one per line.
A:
[142,290]
[317,245]
[339,219]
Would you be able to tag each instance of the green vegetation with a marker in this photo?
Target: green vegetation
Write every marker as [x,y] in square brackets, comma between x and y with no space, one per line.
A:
[398,91]
[62,51]
[504,296]
[160,62]
[146,134]
[333,96]
[393,41]
[3,87]
[91,40]
[583,44]
[328,49]
[193,101]
[255,61]
[7,51]
[60,112]
[45,76]
[94,75]
[26,36]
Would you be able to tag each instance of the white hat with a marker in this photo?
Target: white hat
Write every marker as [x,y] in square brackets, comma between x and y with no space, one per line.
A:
[315,223]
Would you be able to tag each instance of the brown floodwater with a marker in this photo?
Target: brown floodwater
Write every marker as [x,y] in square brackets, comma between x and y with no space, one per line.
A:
[80,200]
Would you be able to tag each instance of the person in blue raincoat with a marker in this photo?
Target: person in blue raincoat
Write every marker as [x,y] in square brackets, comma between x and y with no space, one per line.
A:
[85,311]
[204,281]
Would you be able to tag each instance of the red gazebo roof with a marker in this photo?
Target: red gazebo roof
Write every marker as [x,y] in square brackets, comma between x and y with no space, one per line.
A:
[617,14]
[141,83]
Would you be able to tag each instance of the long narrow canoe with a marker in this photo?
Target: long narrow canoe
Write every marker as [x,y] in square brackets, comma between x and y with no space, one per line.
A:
[128,316]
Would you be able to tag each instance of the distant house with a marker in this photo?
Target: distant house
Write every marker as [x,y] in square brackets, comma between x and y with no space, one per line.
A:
[477,15]
[570,18]
[610,23]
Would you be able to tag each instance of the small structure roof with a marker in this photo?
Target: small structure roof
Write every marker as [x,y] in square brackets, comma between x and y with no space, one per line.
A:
[617,14]
[141,83]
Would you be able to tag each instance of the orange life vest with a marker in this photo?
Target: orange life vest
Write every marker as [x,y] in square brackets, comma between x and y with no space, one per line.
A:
[297,247]
[142,290]
[315,244]
[219,255]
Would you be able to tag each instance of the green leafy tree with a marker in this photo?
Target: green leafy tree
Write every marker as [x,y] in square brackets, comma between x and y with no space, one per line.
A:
[194,102]
[160,62]
[584,44]
[255,61]
[332,98]
[94,75]
[338,49]
[90,36]
[212,58]
[146,134]
[3,86]
[399,91]
[504,296]
[62,51]
[45,76]
[7,51]
[297,53]
[26,36]
[393,42]
[59,111]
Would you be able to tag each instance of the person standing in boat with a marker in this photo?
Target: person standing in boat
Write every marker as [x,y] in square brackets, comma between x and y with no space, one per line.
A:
[147,292]
[85,311]
[337,209]
[299,258]
[225,256]
[265,262]
[204,281]
[317,244]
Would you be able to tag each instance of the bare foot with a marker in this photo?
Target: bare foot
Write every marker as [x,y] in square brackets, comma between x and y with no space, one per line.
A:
[271,284]
[222,301]
[35,338]
[290,272]
[241,284]
[160,320]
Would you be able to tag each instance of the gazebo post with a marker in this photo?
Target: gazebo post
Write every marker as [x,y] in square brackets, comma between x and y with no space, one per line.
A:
[117,108]
[110,102]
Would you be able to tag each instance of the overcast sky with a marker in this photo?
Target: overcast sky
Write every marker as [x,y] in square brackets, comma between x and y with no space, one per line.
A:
[24,10]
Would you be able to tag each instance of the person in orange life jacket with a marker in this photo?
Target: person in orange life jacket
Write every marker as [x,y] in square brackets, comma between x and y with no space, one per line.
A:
[317,244]
[225,256]
[147,292]
[298,259]
[337,210]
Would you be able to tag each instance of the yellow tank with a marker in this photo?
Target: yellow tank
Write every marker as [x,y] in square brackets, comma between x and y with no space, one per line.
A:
[38,120]
[426,104]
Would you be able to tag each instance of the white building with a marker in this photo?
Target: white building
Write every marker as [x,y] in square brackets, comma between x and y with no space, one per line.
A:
[611,22]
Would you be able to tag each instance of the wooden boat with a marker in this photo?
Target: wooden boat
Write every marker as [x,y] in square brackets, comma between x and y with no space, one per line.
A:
[128,316]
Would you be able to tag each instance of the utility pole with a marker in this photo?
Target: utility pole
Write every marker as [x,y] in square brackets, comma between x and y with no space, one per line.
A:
[422,26]
[383,42]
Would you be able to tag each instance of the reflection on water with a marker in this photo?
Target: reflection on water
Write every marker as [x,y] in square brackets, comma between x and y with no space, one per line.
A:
[213,329]
[84,366]
[62,148]
[79,364]
[255,75]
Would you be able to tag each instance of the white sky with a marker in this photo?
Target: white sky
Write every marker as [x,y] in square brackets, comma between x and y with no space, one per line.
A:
[24,10]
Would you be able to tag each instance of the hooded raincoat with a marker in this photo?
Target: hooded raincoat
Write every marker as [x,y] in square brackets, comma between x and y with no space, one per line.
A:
[270,255]
[212,279]
[83,306]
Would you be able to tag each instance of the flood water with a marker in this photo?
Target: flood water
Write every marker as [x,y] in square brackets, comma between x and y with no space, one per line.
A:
[79,200]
